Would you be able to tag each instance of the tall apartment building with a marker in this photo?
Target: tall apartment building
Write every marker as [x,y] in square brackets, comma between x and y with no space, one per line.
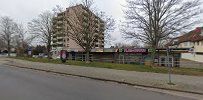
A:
[61,39]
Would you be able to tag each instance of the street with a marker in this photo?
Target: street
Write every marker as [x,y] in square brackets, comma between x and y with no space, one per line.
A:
[22,84]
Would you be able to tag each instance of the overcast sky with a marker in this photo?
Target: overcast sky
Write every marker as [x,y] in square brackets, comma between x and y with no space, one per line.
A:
[25,10]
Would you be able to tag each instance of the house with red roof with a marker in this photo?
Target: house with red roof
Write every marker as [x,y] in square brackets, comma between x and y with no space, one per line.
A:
[192,40]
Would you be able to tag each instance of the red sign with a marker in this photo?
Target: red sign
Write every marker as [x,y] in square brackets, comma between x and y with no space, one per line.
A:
[136,50]
[63,54]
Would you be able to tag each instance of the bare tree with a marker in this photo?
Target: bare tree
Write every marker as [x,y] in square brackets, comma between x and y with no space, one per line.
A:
[21,40]
[7,30]
[154,21]
[83,27]
[109,25]
[57,9]
[134,44]
[42,28]
[122,45]
[2,44]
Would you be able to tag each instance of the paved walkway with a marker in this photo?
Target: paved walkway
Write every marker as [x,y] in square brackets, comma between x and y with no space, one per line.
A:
[183,82]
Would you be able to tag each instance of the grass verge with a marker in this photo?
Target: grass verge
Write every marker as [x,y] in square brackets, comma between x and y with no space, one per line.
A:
[128,67]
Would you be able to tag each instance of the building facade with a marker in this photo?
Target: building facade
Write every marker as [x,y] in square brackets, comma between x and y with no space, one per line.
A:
[192,40]
[113,55]
[61,39]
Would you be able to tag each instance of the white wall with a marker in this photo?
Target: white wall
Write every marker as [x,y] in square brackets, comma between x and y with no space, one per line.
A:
[193,57]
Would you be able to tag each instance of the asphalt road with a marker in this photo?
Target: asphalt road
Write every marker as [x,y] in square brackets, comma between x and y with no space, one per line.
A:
[22,84]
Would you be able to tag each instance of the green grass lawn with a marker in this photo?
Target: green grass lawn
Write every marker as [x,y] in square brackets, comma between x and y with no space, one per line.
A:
[128,67]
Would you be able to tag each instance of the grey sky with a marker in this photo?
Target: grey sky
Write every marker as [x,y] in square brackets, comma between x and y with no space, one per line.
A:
[25,10]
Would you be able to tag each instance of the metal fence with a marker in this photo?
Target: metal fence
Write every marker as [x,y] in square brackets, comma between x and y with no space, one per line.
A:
[119,59]
[141,60]
[182,64]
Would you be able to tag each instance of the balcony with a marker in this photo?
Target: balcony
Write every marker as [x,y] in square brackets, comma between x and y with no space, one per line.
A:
[61,14]
[102,29]
[55,19]
[60,43]
[59,37]
[102,41]
[60,34]
[59,28]
[96,26]
[85,14]
[54,45]
[54,35]
[96,21]
[102,46]
[96,31]
[54,39]
[60,22]
[60,18]
[54,26]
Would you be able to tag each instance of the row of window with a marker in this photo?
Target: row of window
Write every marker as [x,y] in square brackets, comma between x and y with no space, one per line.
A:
[199,43]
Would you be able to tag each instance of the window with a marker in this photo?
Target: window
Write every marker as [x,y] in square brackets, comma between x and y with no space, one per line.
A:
[185,43]
[191,44]
[197,43]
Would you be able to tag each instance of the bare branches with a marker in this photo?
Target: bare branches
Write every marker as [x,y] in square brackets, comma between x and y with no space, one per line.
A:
[7,29]
[87,3]
[82,27]
[109,26]
[152,21]
[42,28]
[85,27]
[57,9]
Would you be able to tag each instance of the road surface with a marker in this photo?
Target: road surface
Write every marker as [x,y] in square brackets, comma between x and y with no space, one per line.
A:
[22,84]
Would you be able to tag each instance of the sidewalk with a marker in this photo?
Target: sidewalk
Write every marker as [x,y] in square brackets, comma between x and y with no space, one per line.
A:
[182,82]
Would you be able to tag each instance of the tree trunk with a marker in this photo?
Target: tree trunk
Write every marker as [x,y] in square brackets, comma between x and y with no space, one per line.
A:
[88,57]
[18,52]
[48,52]
[49,49]
[154,53]
[9,49]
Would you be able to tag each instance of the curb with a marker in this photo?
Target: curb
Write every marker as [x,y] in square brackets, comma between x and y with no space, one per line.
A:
[108,80]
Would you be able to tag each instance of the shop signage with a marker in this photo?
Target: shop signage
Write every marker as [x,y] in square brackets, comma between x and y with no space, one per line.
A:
[136,50]
[97,50]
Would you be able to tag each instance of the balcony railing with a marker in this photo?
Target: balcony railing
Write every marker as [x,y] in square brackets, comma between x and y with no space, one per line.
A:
[60,18]
[60,22]
[59,38]
[59,43]
[54,39]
